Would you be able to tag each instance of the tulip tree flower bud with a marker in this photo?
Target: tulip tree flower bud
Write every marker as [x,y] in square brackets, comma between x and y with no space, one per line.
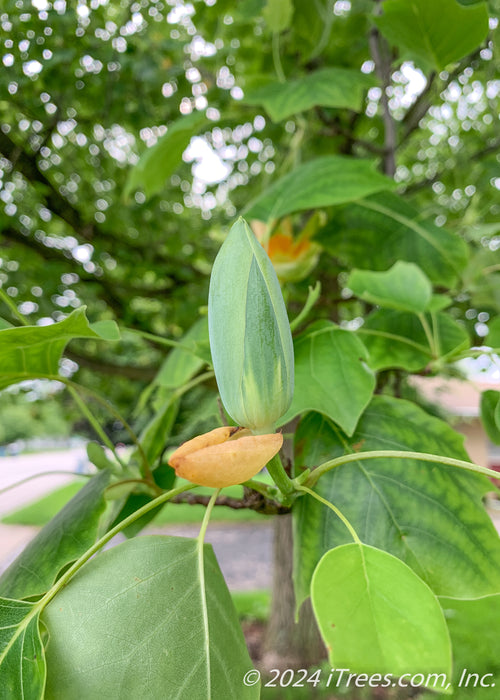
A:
[250,337]
[224,456]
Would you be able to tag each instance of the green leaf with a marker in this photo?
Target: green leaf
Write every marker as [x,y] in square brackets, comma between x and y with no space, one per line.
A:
[27,352]
[377,616]
[67,536]
[278,14]
[22,660]
[327,87]
[181,365]
[250,335]
[429,516]
[404,286]
[493,337]
[153,438]
[378,231]
[490,414]
[107,330]
[137,612]
[433,34]
[331,375]
[398,339]
[158,162]
[321,182]
[98,457]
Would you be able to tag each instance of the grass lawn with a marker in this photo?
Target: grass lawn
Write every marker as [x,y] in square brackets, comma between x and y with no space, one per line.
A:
[41,511]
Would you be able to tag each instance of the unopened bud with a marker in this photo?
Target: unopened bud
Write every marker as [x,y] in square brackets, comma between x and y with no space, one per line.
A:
[250,337]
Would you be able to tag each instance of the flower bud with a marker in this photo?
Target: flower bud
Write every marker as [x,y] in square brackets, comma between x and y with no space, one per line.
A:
[250,337]
[224,456]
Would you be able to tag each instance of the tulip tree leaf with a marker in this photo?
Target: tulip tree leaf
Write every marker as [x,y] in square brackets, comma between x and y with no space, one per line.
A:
[398,339]
[250,335]
[181,365]
[376,615]
[404,287]
[429,516]
[331,375]
[158,162]
[278,14]
[22,660]
[321,182]
[66,537]
[490,414]
[493,337]
[141,606]
[328,87]
[376,232]
[434,34]
[27,352]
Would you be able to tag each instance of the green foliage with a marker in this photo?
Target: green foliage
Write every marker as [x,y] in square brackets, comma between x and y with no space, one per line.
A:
[331,375]
[376,177]
[434,34]
[68,535]
[35,351]
[329,87]
[405,507]
[376,615]
[21,651]
[318,183]
[180,613]
[403,287]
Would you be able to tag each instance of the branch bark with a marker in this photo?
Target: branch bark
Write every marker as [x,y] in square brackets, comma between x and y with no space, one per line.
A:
[382,60]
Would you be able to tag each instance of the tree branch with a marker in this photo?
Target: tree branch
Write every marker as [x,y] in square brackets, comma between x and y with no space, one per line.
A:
[251,501]
[382,60]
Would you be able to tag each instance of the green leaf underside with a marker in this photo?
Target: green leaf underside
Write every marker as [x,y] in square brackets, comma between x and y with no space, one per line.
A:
[327,87]
[158,162]
[331,375]
[28,352]
[378,231]
[429,516]
[250,336]
[490,414]
[320,182]
[66,537]
[403,287]
[131,623]
[398,339]
[22,661]
[376,616]
[434,34]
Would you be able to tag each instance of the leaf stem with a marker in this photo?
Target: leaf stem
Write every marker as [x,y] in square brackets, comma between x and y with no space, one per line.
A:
[69,573]
[312,298]
[201,569]
[52,472]
[337,512]
[60,583]
[428,334]
[13,308]
[94,423]
[278,66]
[397,454]
[280,477]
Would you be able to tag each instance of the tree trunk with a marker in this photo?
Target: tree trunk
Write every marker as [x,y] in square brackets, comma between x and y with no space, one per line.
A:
[287,644]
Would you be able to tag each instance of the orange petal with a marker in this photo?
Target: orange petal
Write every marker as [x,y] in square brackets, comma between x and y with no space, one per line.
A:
[224,463]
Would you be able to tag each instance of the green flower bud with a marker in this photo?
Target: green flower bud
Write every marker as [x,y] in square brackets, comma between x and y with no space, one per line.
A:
[250,336]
